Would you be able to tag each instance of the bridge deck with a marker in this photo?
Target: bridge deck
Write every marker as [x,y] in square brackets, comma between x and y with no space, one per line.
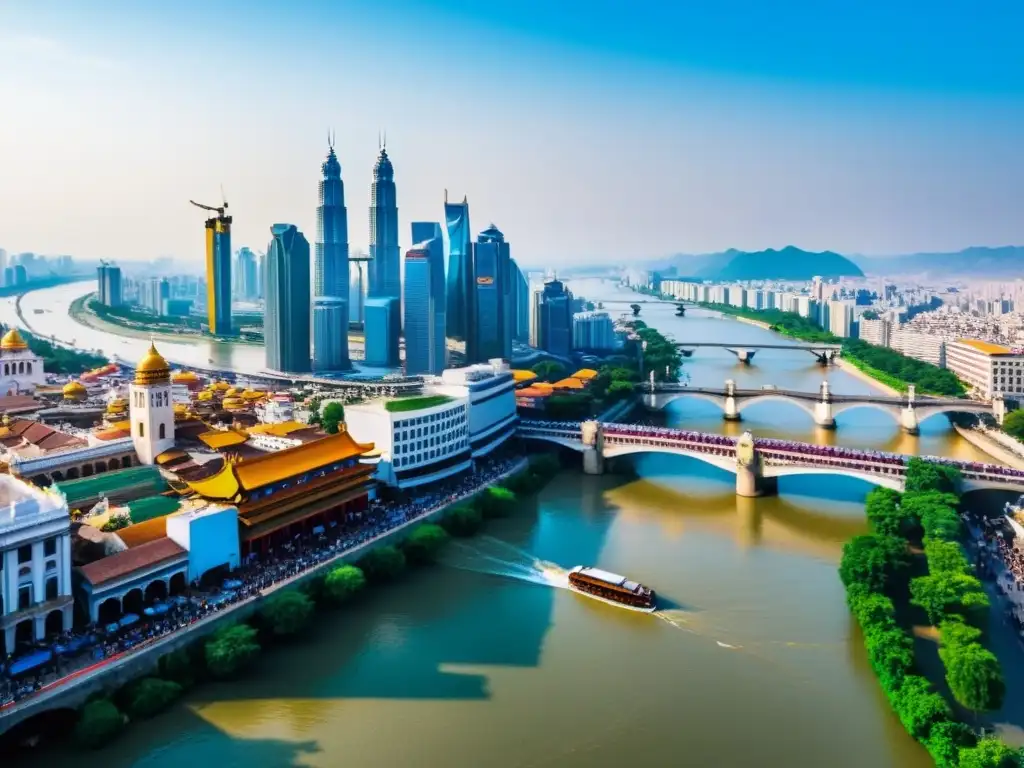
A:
[802,347]
[816,396]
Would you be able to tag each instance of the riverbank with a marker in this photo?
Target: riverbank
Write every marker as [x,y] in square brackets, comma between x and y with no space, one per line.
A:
[985,442]
[82,314]
[852,369]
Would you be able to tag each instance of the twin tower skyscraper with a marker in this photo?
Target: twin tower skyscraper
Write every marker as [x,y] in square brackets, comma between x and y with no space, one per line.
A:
[473,304]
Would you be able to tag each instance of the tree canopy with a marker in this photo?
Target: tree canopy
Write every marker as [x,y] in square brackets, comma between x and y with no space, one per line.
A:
[871,561]
[287,613]
[331,416]
[231,649]
[344,582]
[98,723]
[424,544]
[383,564]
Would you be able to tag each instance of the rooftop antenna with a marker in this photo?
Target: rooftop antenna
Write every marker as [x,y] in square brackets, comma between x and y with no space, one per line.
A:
[330,138]
[385,145]
[379,144]
[446,197]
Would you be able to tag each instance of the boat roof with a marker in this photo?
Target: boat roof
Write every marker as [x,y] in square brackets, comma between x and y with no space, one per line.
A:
[608,576]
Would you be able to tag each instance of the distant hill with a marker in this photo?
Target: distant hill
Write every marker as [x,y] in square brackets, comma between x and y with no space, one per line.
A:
[1003,262]
[789,263]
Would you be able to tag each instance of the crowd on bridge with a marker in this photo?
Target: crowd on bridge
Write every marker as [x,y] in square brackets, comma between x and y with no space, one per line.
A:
[999,559]
[831,452]
[72,652]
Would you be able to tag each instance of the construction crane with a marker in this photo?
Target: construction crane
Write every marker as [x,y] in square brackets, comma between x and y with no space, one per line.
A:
[219,210]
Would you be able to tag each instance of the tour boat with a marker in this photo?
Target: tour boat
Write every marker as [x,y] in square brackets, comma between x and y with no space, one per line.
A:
[612,588]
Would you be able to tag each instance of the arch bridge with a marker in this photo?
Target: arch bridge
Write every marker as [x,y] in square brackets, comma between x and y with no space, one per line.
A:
[757,464]
[823,406]
[825,353]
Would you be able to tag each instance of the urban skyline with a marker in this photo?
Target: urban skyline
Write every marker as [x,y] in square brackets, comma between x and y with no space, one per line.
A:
[898,149]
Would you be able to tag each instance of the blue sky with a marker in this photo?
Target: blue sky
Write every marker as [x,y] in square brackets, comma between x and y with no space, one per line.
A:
[599,131]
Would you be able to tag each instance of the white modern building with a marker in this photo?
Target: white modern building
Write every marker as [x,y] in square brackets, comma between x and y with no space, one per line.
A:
[840,318]
[490,390]
[420,439]
[987,368]
[35,563]
[928,347]
[209,533]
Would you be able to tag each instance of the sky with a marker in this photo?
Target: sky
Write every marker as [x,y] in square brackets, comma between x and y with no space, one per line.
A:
[598,132]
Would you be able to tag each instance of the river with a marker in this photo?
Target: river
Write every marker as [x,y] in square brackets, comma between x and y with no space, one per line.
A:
[481,662]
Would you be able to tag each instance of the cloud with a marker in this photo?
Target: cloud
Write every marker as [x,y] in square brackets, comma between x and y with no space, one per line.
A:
[38,49]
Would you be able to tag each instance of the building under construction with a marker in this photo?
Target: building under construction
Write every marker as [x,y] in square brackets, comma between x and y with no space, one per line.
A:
[218,269]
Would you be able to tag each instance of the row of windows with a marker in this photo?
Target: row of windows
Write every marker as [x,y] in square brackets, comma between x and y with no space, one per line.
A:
[11,369]
[25,551]
[433,428]
[161,432]
[459,412]
[262,493]
[156,399]
[449,440]
[429,454]
[25,594]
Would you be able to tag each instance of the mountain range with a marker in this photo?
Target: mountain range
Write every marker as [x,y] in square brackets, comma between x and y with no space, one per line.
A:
[792,263]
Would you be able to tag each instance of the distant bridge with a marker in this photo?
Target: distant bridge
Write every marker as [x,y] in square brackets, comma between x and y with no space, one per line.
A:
[745,352]
[823,406]
[757,464]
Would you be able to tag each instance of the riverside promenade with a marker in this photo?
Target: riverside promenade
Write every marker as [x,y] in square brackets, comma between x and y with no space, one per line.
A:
[72,690]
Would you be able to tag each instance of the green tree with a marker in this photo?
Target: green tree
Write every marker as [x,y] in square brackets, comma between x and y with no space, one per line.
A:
[618,390]
[944,556]
[287,613]
[383,564]
[231,649]
[1013,424]
[344,582]
[887,516]
[496,501]
[871,561]
[177,667]
[919,707]
[946,741]
[973,672]
[151,696]
[549,370]
[924,476]
[989,753]
[98,723]
[424,544]
[331,416]
[462,521]
[545,465]
[941,593]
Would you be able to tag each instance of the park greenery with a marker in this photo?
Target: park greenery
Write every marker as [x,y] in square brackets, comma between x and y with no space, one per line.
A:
[415,403]
[234,648]
[881,363]
[878,570]
[1013,424]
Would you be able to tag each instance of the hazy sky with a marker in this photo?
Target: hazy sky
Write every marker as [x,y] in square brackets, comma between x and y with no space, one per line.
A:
[604,130]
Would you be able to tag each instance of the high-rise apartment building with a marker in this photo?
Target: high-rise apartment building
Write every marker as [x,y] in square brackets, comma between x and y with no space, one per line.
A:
[218,273]
[556,319]
[428,236]
[108,283]
[385,258]
[592,331]
[521,303]
[383,316]
[331,278]
[418,320]
[287,311]
[460,270]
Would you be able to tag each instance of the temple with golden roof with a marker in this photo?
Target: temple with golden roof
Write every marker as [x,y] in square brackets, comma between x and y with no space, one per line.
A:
[21,370]
[292,491]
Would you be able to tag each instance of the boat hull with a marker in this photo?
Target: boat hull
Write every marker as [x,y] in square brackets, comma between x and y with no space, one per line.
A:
[625,606]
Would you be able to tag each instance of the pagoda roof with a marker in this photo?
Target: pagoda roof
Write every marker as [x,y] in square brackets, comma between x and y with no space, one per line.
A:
[220,438]
[241,477]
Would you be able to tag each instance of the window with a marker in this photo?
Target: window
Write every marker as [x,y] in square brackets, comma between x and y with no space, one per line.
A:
[25,553]
[24,597]
[142,430]
[50,547]
[52,590]
[163,431]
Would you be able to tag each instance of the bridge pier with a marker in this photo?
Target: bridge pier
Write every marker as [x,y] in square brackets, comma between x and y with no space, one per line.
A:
[908,420]
[730,411]
[592,436]
[750,479]
[745,356]
[823,416]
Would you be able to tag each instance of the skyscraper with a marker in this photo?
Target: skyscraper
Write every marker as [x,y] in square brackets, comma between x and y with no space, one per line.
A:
[428,235]
[287,312]
[460,270]
[491,334]
[330,316]
[418,319]
[108,279]
[218,272]
[556,319]
[331,269]
[385,258]
[521,298]
[245,275]
[383,316]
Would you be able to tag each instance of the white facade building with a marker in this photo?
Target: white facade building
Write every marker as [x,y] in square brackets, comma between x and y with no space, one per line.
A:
[987,368]
[35,563]
[417,446]
[21,371]
[877,331]
[209,533]
[840,318]
[151,407]
[490,390]
[930,348]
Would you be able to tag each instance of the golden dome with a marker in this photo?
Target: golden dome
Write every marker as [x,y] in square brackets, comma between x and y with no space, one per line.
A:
[117,405]
[232,403]
[12,341]
[221,386]
[205,395]
[153,369]
[231,392]
[75,390]
[181,377]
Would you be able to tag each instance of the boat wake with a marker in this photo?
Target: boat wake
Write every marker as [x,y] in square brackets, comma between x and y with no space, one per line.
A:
[499,558]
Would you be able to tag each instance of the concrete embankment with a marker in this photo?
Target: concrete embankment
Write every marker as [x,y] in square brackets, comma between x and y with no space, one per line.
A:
[750,321]
[991,446]
[856,372]
[74,691]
